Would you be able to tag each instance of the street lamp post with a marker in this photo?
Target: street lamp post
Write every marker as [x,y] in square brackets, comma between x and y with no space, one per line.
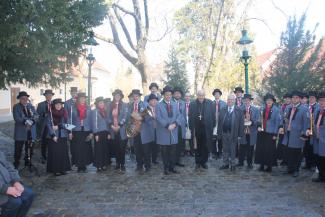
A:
[90,42]
[245,58]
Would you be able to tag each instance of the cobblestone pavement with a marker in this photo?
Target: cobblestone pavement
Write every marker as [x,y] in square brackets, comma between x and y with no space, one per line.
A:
[190,193]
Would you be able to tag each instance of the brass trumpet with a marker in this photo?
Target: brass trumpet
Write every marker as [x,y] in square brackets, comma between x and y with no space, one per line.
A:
[133,127]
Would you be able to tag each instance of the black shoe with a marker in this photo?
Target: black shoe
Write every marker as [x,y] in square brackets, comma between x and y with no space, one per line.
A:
[43,160]
[240,165]
[317,180]
[232,168]
[250,166]
[224,167]
[204,166]
[166,172]
[268,169]
[180,165]
[99,170]
[64,173]
[104,168]
[173,171]
[146,169]
[117,167]
[197,166]
[155,162]
[138,169]
[283,163]
[261,168]
[122,168]
[295,174]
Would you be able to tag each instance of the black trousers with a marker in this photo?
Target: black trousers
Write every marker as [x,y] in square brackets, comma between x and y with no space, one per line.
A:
[120,147]
[246,151]
[44,142]
[180,147]
[216,148]
[320,162]
[17,153]
[168,156]
[309,155]
[202,152]
[294,156]
[142,152]
[154,150]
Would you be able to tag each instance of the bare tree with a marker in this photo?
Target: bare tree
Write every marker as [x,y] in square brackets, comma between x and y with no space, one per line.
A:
[133,51]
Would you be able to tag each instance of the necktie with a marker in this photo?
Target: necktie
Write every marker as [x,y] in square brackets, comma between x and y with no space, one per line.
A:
[291,116]
[135,107]
[318,122]
[48,106]
[187,108]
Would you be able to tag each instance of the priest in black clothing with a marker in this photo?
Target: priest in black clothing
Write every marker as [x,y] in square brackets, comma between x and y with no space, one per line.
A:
[201,123]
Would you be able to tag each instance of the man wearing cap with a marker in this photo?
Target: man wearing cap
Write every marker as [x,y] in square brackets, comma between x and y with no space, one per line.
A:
[153,87]
[25,117]
[248,141]
[180,147]
[218,104]
[201,123]
[319,138]
[239,96]
[43,110]
[308,147]
[230,130]
[168,121]
[148,134]
[295,132]
[137,106]
[304,99]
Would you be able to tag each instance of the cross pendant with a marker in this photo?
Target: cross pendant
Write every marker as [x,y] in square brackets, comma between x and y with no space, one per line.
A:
[200,116]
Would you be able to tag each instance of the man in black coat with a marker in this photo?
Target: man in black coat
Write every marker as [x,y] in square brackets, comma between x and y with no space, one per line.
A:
[43,110]
[201,122]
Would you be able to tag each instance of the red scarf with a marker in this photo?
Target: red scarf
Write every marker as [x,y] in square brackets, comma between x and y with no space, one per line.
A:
[82,110]
[266,117]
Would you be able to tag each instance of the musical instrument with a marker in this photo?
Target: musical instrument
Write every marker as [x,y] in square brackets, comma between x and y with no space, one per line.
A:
[261,127]
[312,122]
[133,127]
[247,122]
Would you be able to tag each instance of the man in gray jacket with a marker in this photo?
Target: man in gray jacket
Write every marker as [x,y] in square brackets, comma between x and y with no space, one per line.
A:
[230,130]
[15,199]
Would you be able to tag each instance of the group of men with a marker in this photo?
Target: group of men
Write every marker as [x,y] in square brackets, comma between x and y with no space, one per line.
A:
[202,127]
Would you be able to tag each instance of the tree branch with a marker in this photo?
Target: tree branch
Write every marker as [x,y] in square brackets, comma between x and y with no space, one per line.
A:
[167,31]
[146,15]
[117,41]
[124,10]
[213,44]
[138,20]
[124,28]
[103,38]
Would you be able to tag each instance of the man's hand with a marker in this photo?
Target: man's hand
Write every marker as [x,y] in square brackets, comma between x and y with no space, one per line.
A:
[70,136]
[12,191]
[281,130]
[96,138]
[19,187]
[274,137]
[171,127]
[309,133]
[55,139]
[55,128]
[109,136]
[259,129]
